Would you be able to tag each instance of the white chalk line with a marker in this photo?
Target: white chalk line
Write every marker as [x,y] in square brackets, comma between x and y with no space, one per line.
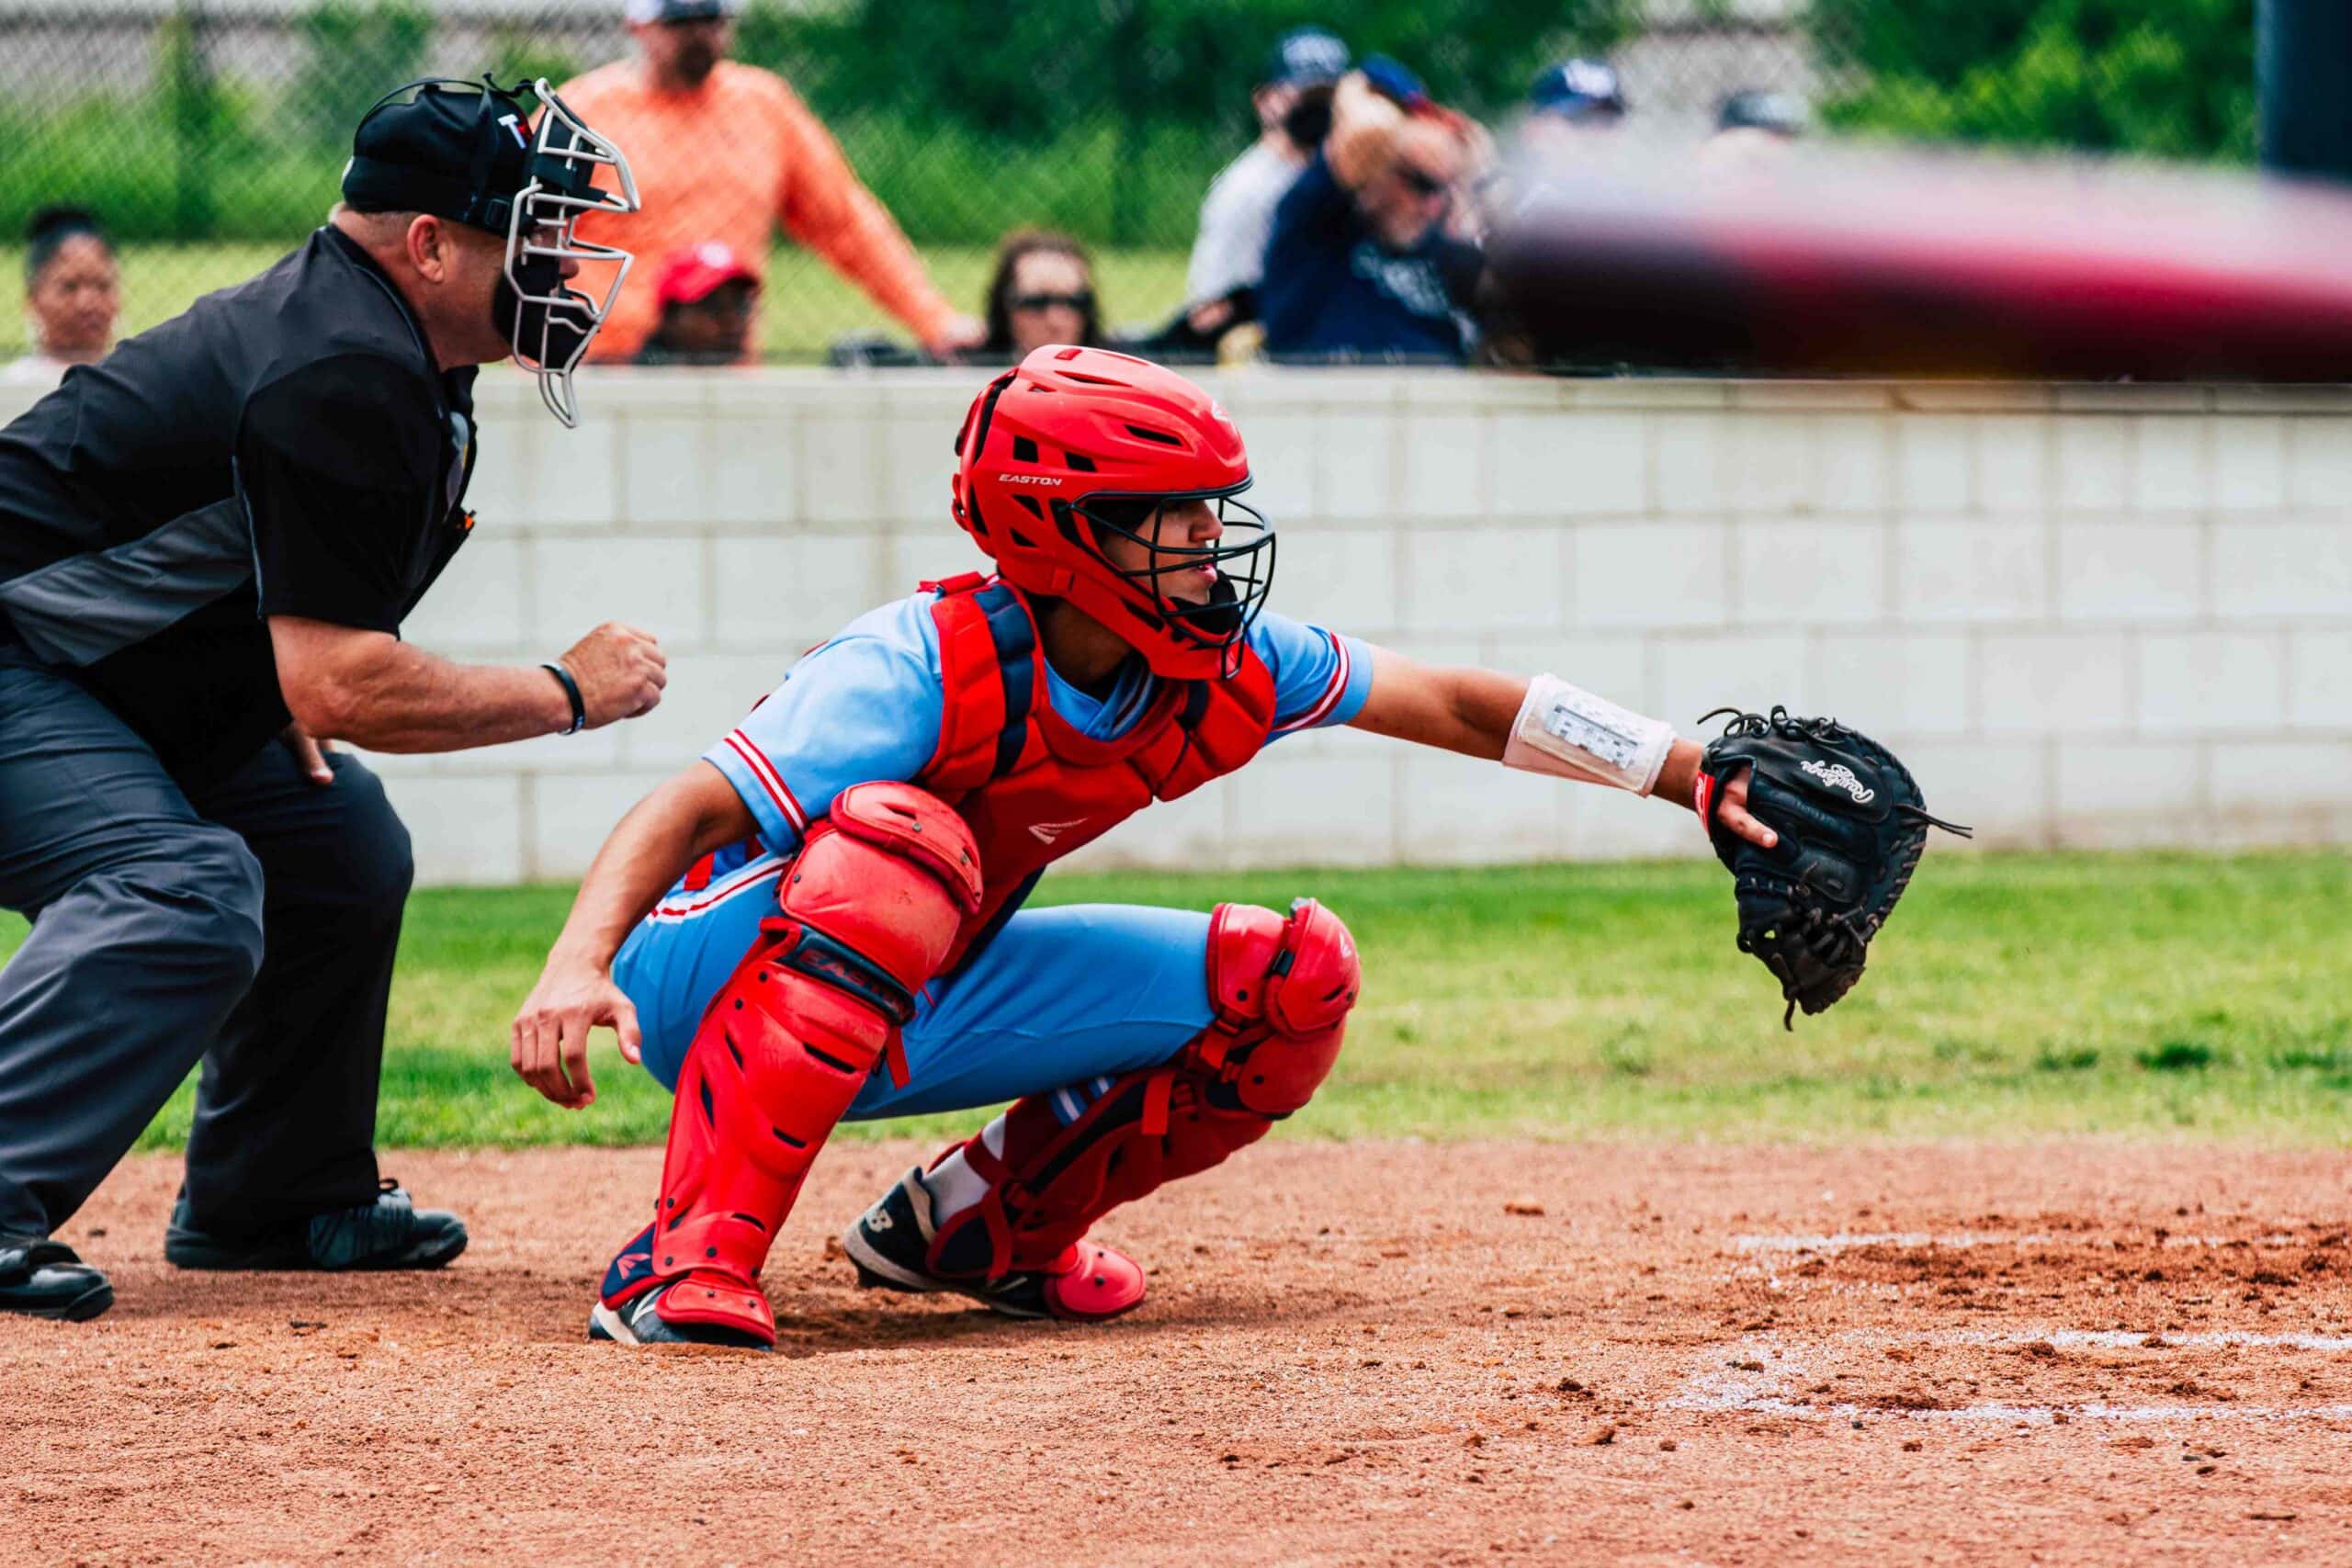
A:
[2151,1339]
[1848,1241]
[1765,1387]
[2075,1339]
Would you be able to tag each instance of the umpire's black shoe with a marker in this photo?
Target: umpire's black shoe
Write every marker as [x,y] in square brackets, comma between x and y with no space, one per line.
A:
[46,1278]
[391,1233]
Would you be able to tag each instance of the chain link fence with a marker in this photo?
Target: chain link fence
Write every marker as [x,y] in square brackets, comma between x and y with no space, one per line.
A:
[207,135]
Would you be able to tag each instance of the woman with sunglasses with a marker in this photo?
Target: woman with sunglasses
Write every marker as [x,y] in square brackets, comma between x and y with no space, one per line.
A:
[1042,292]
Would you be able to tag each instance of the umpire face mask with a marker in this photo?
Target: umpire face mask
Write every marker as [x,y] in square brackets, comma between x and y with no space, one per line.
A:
[467,152]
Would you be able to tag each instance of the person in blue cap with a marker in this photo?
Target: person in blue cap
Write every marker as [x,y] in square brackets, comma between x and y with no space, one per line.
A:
[1570,101]
[1292,104]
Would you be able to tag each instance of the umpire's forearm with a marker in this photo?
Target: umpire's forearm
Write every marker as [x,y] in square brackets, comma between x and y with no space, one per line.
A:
[382,695]
[462,706]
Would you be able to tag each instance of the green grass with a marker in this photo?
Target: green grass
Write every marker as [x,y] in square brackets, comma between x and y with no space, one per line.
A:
[2146,996]
[809,304]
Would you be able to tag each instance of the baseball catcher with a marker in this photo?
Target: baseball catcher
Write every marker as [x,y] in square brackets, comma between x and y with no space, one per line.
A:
[822,918]
[1852,826]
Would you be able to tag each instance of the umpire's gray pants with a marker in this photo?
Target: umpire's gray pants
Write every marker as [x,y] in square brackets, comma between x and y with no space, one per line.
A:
[249,924]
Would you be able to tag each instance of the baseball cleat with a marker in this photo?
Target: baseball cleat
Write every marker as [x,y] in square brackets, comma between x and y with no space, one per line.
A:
[639,1321]
[390,1233]
[632,1309]
[890,1244]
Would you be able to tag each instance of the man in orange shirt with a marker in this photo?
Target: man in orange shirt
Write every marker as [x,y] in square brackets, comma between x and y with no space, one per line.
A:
[724,152]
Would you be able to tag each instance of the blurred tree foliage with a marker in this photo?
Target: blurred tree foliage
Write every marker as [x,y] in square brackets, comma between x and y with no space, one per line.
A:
[1103,117]
[2173,78]
[1154,92]
[353,52]
[515,52]
[1028,70]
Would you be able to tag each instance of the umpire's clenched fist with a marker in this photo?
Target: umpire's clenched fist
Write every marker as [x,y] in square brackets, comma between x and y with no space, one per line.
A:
[621,672]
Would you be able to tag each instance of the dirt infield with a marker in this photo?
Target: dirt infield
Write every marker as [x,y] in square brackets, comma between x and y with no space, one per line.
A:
[1365,1353]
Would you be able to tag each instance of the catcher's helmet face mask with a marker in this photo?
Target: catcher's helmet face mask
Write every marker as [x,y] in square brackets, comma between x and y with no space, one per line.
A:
[1079,446]
[1239,559]
[532,185]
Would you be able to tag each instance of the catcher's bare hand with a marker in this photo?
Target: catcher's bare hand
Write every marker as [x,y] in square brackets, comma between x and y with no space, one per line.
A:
[1678,781]
[1732,812]
[550,1040]
[621,672]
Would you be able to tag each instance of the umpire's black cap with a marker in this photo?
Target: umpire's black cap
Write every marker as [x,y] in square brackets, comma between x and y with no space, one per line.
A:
[458,150]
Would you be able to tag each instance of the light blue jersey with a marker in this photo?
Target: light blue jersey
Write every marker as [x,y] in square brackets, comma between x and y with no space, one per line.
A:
[867,705]
[1062,998]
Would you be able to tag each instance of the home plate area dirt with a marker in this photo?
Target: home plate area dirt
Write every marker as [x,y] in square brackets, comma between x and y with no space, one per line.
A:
[1352,1353]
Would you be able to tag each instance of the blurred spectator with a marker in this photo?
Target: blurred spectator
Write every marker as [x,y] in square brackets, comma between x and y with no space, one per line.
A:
[71,296]
[1361,264]
[1042,292]
[1753,129]
[708,298]
[1571,106]
[724,152]
[1294,109]
[1777,114]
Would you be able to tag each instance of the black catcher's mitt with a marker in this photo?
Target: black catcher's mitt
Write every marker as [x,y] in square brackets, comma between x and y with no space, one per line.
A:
[1851,825]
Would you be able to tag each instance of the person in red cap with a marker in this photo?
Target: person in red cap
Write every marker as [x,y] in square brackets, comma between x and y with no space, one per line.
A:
[842,932]
[725,151]
[708,297]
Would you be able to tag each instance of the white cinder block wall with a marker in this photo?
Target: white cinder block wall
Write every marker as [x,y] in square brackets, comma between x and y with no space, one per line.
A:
[2085,615]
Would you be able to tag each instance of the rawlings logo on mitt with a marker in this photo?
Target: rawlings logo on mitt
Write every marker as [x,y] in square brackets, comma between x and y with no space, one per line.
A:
[1851,824]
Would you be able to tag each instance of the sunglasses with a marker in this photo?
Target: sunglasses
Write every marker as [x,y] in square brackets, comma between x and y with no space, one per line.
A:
[1420,182]
[1081,301]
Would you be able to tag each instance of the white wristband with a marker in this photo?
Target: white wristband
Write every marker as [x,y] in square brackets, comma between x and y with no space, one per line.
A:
[1566,731]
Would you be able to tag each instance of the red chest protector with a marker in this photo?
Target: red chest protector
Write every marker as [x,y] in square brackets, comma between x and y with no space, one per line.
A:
[1029,786]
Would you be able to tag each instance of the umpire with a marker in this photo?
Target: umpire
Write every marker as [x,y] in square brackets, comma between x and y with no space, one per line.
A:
[207,542]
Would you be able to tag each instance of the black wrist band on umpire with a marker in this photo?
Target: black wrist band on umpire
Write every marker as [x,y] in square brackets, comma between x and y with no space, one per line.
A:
[572,694]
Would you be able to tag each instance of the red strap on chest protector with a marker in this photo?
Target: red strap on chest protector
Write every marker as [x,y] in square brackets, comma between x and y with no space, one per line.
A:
[995,711]
[987,647]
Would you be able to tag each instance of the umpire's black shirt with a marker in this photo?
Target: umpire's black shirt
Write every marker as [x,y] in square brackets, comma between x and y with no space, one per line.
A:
[286,447]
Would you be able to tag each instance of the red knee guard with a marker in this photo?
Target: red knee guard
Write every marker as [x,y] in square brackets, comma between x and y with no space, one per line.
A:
[870,909]
[1282,988]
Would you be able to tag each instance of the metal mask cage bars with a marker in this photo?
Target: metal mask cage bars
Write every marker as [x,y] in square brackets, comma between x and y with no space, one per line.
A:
[1221,622]
[539,207]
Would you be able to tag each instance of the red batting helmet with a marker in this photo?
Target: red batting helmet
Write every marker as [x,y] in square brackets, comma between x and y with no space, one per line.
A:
[1075,443]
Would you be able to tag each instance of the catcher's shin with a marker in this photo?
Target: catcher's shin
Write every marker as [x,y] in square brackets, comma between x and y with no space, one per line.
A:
[1282,986]
[869,910]
[1851,826]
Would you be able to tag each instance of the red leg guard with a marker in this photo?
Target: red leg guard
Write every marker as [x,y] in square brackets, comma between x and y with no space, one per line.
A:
[1281,987]
[870,909]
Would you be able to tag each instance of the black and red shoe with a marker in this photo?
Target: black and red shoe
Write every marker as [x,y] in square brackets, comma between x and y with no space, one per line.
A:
[631,1309]
[891,1245]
